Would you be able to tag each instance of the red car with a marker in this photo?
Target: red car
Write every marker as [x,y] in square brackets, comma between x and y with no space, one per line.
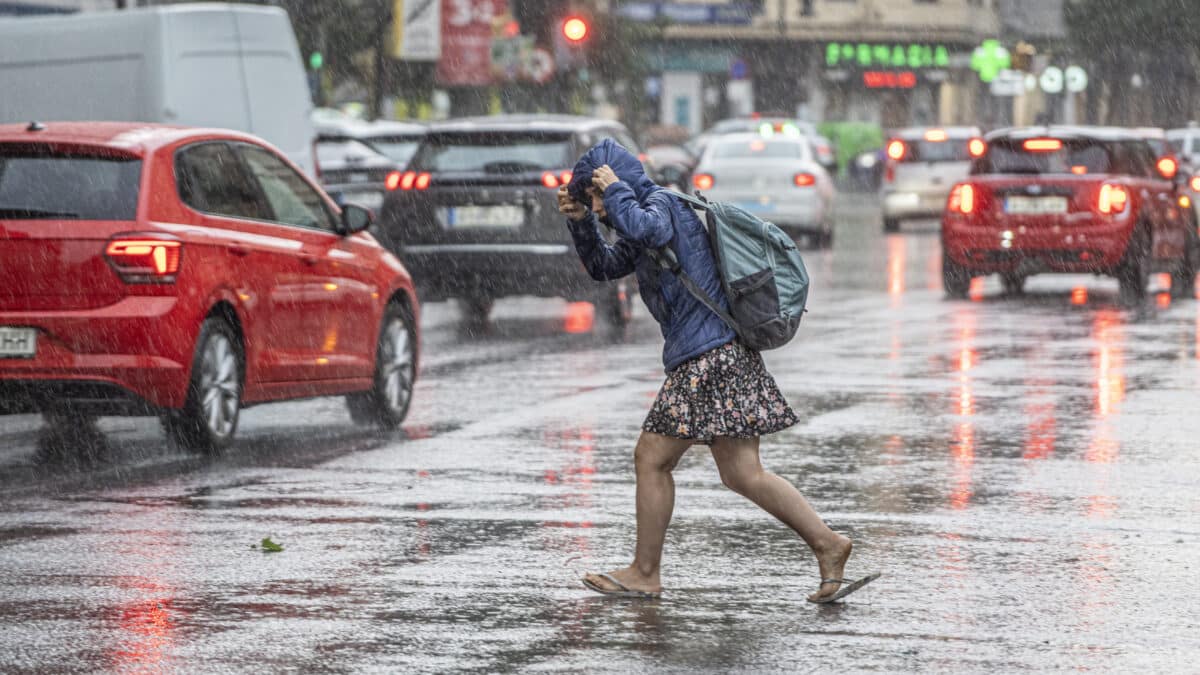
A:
[188,273]
[1069,199]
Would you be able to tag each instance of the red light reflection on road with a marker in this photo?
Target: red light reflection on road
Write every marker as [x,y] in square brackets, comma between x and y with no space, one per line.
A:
[962,449]
[148,636]
[896,265]
[1110,361]
[975,291]
[1041,432]
[576,476]
[580,317]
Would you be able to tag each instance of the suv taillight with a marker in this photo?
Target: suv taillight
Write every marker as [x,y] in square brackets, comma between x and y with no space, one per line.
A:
[409,180]
[962,199]
[552,180]
[152,259]
[1112,199]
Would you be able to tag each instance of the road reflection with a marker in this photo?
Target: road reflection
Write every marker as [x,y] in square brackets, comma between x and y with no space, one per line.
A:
[962,447]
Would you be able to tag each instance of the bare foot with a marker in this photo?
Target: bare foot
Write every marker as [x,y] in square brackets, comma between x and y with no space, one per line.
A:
[630,577]
[832,563]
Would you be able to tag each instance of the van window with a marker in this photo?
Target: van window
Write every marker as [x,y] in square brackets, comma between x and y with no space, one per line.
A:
[399,148]
[292,200]
[211,180]
[949,150]
[494,152]
[37,184]
[760,149]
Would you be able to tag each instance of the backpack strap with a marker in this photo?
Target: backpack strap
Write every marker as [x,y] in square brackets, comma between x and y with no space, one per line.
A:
[698,202]
[666,259]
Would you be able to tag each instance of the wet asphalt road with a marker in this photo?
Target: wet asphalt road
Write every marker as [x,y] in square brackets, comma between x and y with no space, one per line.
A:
[1023,470]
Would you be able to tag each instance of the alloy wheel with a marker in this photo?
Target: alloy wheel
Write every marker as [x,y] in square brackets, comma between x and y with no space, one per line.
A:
[218,386]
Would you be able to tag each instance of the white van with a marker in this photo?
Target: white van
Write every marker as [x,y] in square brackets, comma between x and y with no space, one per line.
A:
[211,65]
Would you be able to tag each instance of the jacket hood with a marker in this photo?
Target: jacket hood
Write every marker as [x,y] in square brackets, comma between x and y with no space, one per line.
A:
[623,163]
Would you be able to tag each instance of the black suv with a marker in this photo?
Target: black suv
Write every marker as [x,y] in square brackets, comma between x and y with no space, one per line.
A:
[475,215]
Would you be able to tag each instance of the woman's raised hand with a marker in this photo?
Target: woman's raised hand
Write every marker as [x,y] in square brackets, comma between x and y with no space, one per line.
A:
[568,206]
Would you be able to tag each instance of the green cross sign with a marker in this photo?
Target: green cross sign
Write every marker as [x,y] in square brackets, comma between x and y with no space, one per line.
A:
[989,59]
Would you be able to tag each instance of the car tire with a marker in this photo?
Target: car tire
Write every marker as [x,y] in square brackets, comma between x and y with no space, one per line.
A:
[1133,273]
[956,279]
[1014,284]
[825,239]
[386,404]
[1183,278]
[476,309]
[891,225]
[208,420]
[615,305]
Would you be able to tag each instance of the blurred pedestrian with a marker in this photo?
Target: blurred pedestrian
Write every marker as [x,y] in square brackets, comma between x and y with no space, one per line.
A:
[717,392]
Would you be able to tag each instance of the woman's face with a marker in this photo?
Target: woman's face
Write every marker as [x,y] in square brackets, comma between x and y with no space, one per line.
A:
[597,202]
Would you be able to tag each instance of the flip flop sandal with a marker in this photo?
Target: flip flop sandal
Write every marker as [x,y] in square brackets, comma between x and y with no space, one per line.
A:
[622,591]
[845,590]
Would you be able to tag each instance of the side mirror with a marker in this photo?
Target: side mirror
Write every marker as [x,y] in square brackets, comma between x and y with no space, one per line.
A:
[355,219]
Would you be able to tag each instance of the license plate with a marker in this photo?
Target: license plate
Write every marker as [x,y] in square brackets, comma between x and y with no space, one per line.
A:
[508,215]
[1035,205]
[370,200]
[756,206]
[17,342]
[360,177]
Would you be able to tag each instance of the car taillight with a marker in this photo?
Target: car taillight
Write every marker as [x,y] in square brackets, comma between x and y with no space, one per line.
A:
[422,181]
[407,180]
[1113,198]
[962,199]
[1042,145]
[896,149]
[804,179]
[976,147]
[703,181]
[1195,183]
[393,180]
[145,260]
[1167,166]
[552,180]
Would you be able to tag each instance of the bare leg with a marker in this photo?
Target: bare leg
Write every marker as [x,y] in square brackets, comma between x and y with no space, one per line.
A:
[742,471]
[654,459]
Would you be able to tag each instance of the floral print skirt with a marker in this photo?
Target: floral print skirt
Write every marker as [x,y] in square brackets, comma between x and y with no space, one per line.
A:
[726,391]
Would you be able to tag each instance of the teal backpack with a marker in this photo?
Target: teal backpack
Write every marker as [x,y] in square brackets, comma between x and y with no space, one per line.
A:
[760,269]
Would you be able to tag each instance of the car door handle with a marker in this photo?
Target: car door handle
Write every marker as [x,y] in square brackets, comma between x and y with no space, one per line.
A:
[239,251]
[310,259]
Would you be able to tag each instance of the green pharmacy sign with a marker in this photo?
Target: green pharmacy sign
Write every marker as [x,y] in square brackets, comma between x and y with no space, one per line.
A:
[989,59]
[869,55]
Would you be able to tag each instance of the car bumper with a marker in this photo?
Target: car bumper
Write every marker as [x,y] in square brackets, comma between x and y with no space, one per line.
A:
[127,358]
[913,204]
[982,246]
[442,271]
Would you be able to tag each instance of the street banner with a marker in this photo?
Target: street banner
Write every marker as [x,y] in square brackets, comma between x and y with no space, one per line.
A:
[417,30]
[467,32]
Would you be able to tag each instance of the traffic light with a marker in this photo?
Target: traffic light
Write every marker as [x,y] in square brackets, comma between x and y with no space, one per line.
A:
[575,30]
[316,60]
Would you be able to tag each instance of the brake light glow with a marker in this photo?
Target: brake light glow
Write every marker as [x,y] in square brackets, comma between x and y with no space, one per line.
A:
[551,180]
[804,179]
[1042,145]
[393,180]
[407,180]
[896,150]
[703,181]
[145,260]
[976,147]
[1113,198]
[962,199]
[1167,166]
[565,177]
[1195,183]
[422,181]
[935,135]
[1079,169]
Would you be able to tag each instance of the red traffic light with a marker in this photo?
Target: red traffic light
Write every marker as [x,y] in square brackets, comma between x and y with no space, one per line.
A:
[575,29]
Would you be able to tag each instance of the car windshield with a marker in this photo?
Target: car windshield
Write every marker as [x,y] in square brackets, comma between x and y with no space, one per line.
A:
[399,149]
[37,184]
[343,150]
[494,152]
[759,149]
[1071,156]
[949,150]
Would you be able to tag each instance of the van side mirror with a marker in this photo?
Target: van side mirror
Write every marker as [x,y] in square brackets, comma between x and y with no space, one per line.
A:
[355,219]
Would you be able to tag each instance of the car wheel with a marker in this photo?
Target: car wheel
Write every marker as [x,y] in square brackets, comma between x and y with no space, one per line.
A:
[956,279]
[891,225]
[209,418]
[1014,284]
[1183,279]
[825,239]
[1133,274]
[385,405]
[475,308]
[616,305]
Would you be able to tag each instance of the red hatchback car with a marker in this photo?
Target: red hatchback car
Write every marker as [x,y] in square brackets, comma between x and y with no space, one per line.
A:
[188,273]
[1069,199]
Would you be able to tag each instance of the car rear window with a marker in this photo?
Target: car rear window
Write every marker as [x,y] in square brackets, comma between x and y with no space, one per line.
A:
[342,150]
[949,150]
[399,148]
[494,152]
[1081,156]
[37,183]
[759,149]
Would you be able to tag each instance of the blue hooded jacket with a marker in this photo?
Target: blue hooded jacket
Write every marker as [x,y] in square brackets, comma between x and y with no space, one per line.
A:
[644,215]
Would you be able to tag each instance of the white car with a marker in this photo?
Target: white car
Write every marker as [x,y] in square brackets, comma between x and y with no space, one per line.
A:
[922,165]
[775,178]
